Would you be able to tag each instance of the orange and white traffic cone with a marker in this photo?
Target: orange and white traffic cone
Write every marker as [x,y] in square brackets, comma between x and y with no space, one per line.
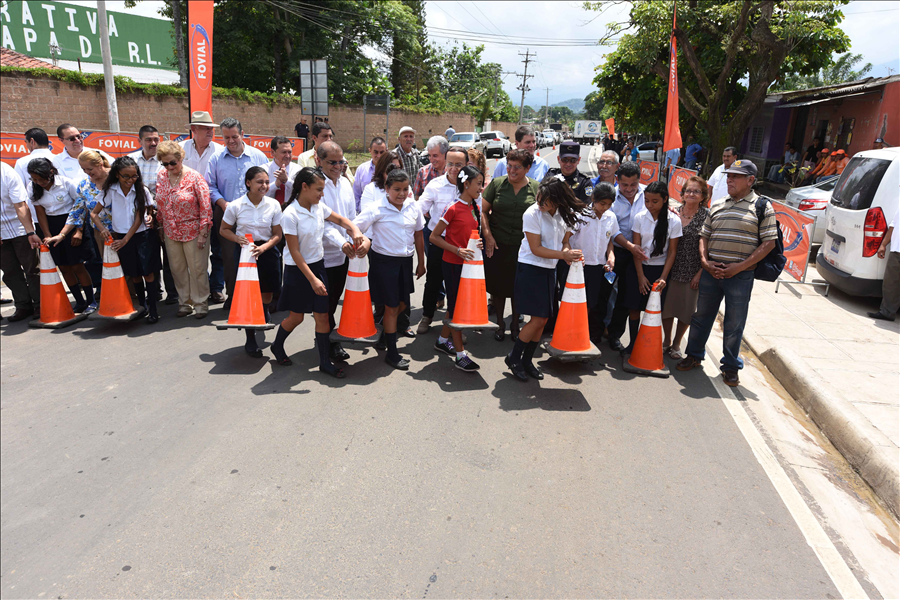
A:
[56,310]
[571,338]
[246,306]
[115,299]
[647,352]
[357,321]
[470,311]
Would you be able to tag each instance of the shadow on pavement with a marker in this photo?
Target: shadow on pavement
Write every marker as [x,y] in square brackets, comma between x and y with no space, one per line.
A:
[450,379]
[525,395]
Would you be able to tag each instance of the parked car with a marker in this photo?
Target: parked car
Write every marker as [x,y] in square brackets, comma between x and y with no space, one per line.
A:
[813,200]
[863,203]
[495,142]
[647,151]
[467,139]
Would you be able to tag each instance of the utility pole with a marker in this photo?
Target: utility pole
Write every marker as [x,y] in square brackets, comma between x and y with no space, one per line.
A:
[112,108]
[524,87]
[547,108]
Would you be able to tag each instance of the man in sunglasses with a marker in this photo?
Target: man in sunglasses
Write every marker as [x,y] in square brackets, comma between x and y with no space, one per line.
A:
[66,162]
[338,196]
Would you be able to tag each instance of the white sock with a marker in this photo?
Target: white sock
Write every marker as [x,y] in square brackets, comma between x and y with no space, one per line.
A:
[442,339]
[459,355]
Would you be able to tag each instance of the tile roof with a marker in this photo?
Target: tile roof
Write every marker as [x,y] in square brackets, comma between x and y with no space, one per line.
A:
[11,58]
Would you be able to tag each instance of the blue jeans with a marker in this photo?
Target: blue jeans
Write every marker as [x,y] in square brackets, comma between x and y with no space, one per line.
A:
[690,164]
[736,292]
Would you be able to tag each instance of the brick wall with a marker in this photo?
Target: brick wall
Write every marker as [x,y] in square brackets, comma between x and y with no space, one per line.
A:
[27,101]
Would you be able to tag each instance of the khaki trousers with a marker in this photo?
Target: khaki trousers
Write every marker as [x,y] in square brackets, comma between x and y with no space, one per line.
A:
[189,269]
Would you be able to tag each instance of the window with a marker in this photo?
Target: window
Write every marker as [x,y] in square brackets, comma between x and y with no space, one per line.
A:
[756,140]
[859,182]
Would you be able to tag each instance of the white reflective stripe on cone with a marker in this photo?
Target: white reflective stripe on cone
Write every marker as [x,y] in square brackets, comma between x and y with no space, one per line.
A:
[574,295]
[245,254]
[50,277]
[652,319]
[113,272]
[357,283]
[110,255]
[653,303]
[47,261]
[247,274]
[472,270]
[576,273]
[359,265]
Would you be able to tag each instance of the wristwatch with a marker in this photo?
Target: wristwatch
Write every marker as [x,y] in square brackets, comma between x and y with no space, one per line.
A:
[30,233]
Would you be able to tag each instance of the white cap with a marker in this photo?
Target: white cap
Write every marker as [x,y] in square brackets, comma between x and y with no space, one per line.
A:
[404,129]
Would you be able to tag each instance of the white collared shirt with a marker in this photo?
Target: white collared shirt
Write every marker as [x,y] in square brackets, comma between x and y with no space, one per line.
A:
[60,198]
[719,183]
[274,184]
[627,211]
[592,237]
[340,199]
[552,230]
[71,168]
[393,230]
[645,225]
[437,196]
[22,172]
[309,227]
[195,160]
[256,220]
[12,192]
[149,167]
[121,207]
[372,194]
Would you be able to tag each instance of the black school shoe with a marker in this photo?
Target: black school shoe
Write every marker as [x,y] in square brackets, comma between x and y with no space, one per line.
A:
[401,363]
[533,371]
[517,369]
[337,352]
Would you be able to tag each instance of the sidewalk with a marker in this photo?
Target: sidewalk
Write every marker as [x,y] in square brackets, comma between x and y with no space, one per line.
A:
[841,366]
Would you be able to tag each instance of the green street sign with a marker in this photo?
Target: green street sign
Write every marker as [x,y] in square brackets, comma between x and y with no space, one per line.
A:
[70,32]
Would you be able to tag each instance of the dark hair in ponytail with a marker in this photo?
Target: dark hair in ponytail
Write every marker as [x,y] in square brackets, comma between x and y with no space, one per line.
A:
[307,175]
[123,162]
[661,231]
[470,174]
[44,169]
[560,194]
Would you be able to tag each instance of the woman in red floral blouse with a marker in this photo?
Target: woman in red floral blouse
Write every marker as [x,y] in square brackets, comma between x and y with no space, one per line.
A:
[183,210]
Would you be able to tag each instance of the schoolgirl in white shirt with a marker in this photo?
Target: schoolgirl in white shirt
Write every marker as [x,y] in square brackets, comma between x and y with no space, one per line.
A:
[305,288]
[548,224]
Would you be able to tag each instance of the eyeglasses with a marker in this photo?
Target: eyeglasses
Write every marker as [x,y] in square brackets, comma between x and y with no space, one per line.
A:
[169,164]
[514,167]
[80,136]
[337,162]
[129,177]
[568,160]
[692,192]
[455,165]
[606,162]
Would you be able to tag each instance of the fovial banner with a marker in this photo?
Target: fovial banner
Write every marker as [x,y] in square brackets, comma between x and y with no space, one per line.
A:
[797,229]
[200,36]
[114,144]
[677,180]
[70,32]
[649,171]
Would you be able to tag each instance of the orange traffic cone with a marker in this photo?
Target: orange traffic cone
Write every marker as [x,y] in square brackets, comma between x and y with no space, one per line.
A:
[56,311]
[647,353]
[470,311]
[538,153]
[246,307]
[357,321]
[571,340]
[115,299]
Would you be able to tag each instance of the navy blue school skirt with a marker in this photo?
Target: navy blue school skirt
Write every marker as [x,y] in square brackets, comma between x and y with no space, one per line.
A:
[268,269]
[297,294]
[535,289]
[452,273]
[390,279]
[634,299]
[137,257]
[64,253]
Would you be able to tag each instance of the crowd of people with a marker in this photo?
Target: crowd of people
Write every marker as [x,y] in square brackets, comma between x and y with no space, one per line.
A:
[178,215]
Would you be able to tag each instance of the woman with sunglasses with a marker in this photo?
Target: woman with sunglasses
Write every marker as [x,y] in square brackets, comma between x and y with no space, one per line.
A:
[130,204]
[54,196]
[183,211]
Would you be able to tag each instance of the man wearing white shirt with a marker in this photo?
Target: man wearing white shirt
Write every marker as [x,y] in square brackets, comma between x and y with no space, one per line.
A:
[338,196]
[18,253]
[38,144]
[66,162]
[364,173]
[281,170]
[718,180]
[525,140]
[201,147]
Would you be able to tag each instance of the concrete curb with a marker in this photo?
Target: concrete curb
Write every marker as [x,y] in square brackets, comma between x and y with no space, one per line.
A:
[867,449]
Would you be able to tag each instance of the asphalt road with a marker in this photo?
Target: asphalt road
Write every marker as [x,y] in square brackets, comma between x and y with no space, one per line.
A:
[160,460]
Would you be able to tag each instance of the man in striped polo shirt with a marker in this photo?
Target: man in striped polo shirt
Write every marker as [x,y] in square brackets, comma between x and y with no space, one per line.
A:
[732,241]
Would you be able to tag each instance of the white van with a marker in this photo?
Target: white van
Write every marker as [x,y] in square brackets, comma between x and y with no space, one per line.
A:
[863,203]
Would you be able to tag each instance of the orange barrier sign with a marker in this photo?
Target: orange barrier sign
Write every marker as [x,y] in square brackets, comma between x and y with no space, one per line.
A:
[797,229]
[114,144]
[649,171]
[262,143]
[12,147]
[677,180]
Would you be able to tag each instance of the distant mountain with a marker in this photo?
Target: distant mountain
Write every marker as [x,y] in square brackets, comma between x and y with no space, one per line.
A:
[576,105]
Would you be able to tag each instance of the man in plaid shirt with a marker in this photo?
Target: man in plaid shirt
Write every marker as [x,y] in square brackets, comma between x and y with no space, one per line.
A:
[408,156]
[436,148]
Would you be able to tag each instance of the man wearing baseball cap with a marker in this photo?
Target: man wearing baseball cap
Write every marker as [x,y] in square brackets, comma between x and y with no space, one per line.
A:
[878,144]
[732,241]
[835,166]
[408,156]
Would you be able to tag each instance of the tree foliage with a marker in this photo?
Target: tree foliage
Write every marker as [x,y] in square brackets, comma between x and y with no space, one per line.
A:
[593,105]
[729,54]
[842,71]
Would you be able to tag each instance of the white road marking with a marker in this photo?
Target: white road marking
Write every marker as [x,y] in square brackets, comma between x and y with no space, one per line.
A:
[815,536]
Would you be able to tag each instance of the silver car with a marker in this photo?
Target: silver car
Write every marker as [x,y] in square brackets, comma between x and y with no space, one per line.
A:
[467,140]
[813,200]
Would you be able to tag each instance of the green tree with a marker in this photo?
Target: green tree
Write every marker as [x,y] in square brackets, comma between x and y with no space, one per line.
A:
[842,71]
[729,53]
[593,104]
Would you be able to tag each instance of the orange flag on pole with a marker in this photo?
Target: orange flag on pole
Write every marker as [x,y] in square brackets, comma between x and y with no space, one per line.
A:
[673,130]
[611,126]
[200,36]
